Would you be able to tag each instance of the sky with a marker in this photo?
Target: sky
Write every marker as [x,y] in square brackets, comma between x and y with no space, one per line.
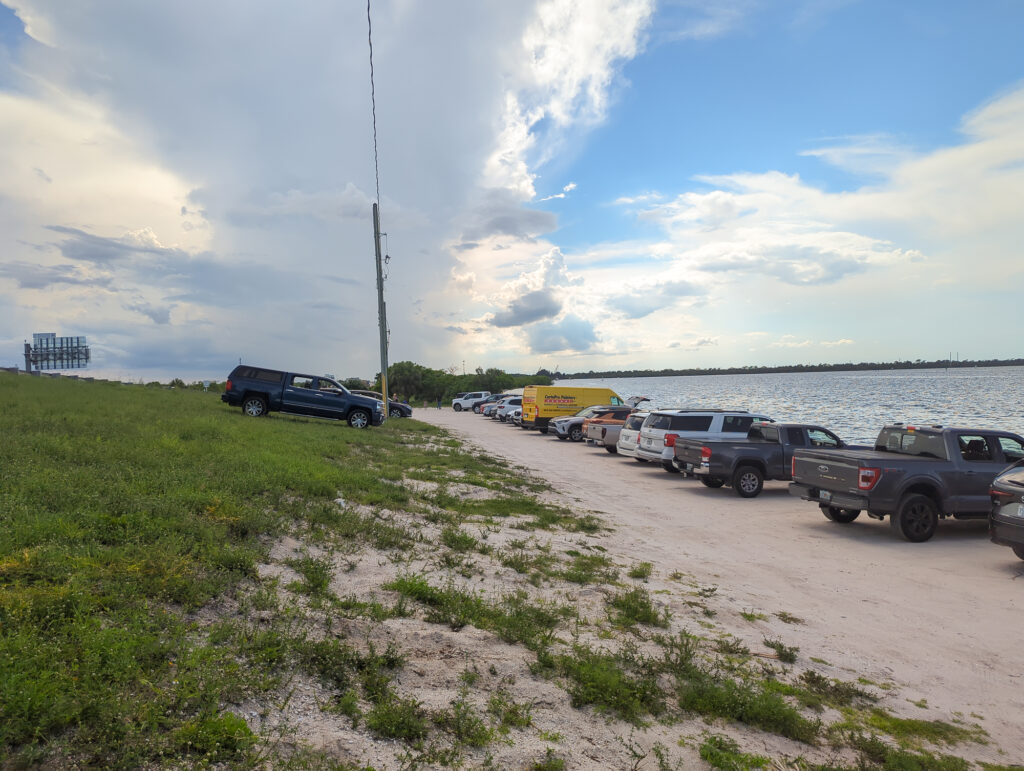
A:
[563,184]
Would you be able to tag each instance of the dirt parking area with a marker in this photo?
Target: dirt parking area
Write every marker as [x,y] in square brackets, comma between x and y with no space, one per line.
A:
[942,620]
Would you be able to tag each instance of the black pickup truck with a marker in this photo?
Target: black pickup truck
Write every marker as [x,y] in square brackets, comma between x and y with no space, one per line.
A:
[258,390]
[915,475]
[744,464]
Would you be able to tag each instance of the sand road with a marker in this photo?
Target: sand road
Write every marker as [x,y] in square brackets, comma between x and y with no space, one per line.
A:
[941,620]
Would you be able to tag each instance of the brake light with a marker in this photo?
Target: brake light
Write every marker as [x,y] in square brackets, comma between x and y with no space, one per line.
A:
[670,440]
[604,432]
[868,478]
[227,385]
[997,494]
[705,453]
[792,467]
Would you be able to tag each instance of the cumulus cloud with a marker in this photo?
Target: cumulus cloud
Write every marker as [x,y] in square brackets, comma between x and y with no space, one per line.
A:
[642,302]
[532,306]
[572,334]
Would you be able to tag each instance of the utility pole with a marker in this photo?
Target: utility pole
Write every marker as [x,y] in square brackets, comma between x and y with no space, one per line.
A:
[382,316]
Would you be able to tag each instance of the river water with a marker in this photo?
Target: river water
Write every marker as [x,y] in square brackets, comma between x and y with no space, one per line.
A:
[853,404]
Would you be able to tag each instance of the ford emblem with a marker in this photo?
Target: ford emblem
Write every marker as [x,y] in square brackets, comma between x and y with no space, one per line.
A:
[823,469]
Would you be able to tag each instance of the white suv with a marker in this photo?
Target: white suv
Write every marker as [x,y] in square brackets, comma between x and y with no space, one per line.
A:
[467,400]
[630,434]
[657,440]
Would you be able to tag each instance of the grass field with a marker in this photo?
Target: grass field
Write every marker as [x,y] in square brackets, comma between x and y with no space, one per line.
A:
[134,618]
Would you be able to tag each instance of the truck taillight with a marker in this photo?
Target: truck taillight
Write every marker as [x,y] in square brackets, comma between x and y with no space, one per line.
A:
[227,385]
[792,467]
[604,432]
[670,440]
[705,453]
[868,478]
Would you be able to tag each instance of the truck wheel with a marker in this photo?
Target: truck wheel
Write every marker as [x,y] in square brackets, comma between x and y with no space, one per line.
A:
[836,514]
[576,433]
[1019,551]
[254,406]
[667,465]
[916,518]
[611,448]
[359,418]
[712,482]
[747,481]
[457,407]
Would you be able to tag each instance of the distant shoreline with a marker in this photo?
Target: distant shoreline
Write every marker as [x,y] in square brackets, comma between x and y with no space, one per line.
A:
[791,368]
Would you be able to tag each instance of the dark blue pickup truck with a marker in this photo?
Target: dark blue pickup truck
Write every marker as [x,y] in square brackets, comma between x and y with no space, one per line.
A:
[258,390]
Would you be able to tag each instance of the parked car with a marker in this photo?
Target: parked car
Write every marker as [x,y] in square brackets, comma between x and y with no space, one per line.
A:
[481,404]
[603,429]
[466,401]
[571,426]
[629,435]
[395,409]
[515,416]
[506,406]
[259,391]
[1006,520]
[765,453]
[915,475]
[662,427]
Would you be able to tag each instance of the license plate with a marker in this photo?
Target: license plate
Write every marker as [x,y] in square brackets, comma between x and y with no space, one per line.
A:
[648,442]
[825,495]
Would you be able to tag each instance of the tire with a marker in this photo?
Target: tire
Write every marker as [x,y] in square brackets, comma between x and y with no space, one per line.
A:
[476,408]
[712,482]
[576,433]
[359,419]
[395,413]
[916,518]
[1019,551]
[612,449]
[836,514]
[457,407]
[254,406]
[748,481]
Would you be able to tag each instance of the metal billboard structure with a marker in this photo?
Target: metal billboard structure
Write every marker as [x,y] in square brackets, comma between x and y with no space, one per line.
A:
[49,352]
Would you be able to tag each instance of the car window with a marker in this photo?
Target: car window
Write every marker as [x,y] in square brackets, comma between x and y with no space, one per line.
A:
[1012,449]
[633,422]
[615,400]
[690,422]
[794,436]
[821,438]
[301,381]
[737,423]
[974,448]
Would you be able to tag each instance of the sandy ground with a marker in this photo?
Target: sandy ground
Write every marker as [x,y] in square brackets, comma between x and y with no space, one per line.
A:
[941,620]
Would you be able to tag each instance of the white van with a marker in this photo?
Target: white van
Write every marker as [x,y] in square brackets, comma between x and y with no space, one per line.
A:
[657,440]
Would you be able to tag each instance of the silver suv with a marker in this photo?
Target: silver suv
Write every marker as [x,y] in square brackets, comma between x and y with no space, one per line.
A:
[657,440]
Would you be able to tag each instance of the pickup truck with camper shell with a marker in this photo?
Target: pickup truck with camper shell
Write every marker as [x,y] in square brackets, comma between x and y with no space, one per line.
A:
[744,464]
[663,427]
[259,390]
[915,475]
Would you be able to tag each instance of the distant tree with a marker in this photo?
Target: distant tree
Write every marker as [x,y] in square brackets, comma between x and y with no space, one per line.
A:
[354,382]
[177,383]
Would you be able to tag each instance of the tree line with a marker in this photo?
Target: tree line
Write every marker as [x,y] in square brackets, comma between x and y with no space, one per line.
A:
[415,383]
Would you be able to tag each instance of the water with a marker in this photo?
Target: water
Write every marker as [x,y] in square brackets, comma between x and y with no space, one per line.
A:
[853,404]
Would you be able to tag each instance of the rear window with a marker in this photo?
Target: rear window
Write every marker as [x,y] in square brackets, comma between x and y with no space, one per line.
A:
[680,422]
[633,422]
[254,373]
[905,442]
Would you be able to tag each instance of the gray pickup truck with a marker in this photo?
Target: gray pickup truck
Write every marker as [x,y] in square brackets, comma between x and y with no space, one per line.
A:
[744,464]
[915,475]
